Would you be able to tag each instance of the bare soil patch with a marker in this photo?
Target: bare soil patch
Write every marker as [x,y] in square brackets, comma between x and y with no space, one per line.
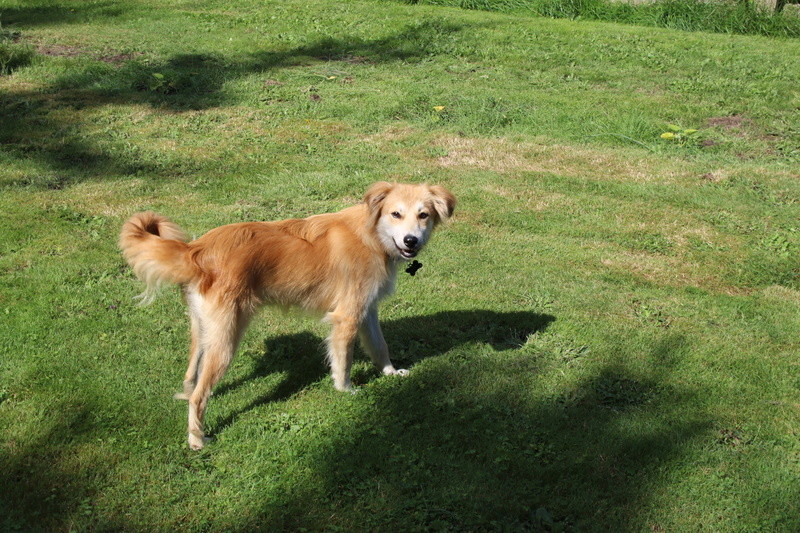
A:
[60,50]
[732,122]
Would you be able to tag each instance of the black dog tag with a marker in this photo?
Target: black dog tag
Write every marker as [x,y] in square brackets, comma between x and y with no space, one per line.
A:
[413,267]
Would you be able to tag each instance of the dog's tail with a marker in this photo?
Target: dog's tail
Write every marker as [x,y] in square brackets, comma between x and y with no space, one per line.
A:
[156,248]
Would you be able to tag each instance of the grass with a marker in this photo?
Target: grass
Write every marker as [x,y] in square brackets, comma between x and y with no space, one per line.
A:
[13,55]
[605,337]
[719,16]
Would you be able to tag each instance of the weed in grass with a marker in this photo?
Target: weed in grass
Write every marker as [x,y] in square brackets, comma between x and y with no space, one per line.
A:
[538,300]
[13,54]
[733,437]
[651,314]
[550,345]
[616,392]
[653,243]
[781,246]
[678,134]
[90,225]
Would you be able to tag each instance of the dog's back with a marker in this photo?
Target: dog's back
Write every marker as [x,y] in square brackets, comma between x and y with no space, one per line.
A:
[312,263]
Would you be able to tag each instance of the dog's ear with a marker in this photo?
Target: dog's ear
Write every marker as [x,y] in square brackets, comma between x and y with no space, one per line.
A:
[443,202]
[376,194]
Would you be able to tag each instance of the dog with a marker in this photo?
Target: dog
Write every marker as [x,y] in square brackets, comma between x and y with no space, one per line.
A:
[338,264]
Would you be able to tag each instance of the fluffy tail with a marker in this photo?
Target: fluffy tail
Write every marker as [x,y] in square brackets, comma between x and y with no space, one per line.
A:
[156,249]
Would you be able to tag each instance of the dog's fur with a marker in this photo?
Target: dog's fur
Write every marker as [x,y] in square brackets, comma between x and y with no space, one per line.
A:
[340,264]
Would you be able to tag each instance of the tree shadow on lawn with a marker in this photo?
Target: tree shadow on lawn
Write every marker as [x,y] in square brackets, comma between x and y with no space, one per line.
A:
[49,480]
[300,356]
[33,129]
[463,447]
[47,15]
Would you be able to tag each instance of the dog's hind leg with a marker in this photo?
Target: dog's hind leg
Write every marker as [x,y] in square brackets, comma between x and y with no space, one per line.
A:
[340,347]
[195,303]
[375,345]
[220,336]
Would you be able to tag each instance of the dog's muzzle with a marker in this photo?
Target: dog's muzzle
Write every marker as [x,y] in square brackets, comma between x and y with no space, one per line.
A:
[411,247]
[407,254]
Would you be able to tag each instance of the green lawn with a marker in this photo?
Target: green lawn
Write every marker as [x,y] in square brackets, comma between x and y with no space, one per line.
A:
[606,337]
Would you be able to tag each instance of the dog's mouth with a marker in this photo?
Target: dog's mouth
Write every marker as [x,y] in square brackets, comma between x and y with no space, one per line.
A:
[405,253]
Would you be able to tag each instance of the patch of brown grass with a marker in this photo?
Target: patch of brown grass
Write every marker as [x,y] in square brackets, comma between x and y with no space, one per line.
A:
[507,156]
[538,201]
[65,50]
[114,198]
[669,271]
[781,293]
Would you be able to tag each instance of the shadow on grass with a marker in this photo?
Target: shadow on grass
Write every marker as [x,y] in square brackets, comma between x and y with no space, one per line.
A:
[472,443]
[33,128]
[482,461]
[54,13]
[300,356]
[475,439]
[48,479]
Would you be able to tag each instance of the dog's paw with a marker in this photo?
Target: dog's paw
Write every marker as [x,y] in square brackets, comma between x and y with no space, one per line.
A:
[180,396]
[395,372]
[196,442]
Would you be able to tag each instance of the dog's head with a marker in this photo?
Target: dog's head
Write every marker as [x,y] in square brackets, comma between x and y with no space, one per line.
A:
[405,215]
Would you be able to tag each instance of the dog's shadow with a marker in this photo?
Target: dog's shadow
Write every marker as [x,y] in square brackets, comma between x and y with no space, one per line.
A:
[300,359]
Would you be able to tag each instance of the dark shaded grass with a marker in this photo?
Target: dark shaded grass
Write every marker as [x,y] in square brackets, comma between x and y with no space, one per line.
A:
[687,15]
[42,13]
[434,454]
[13,55]
[179,83]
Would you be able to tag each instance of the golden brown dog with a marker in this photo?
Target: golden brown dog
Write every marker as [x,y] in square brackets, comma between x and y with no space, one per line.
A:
[340,264]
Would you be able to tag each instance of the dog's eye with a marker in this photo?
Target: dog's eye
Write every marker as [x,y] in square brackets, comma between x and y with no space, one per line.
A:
[423,216]
[395,214]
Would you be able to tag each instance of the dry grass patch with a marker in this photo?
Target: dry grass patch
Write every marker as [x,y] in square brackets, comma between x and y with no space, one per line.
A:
[781,293]
[309,128]
[117,198]
[114,199]
[391,135]
[669,271]
[62,50]
[506,156]
[533,200]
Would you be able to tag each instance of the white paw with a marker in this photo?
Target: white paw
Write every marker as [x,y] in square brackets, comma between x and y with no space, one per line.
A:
[197,442]
[395,371]
[180,396]
[344,387]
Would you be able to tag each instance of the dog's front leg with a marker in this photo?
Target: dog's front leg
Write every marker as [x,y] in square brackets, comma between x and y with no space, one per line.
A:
[375,345]
[340,348]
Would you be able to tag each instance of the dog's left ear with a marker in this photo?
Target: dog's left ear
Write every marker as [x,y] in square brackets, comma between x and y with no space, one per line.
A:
[376,194]
[443,202]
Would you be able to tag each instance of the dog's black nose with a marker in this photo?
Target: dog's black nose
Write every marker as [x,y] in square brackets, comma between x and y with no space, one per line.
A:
[411,241]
